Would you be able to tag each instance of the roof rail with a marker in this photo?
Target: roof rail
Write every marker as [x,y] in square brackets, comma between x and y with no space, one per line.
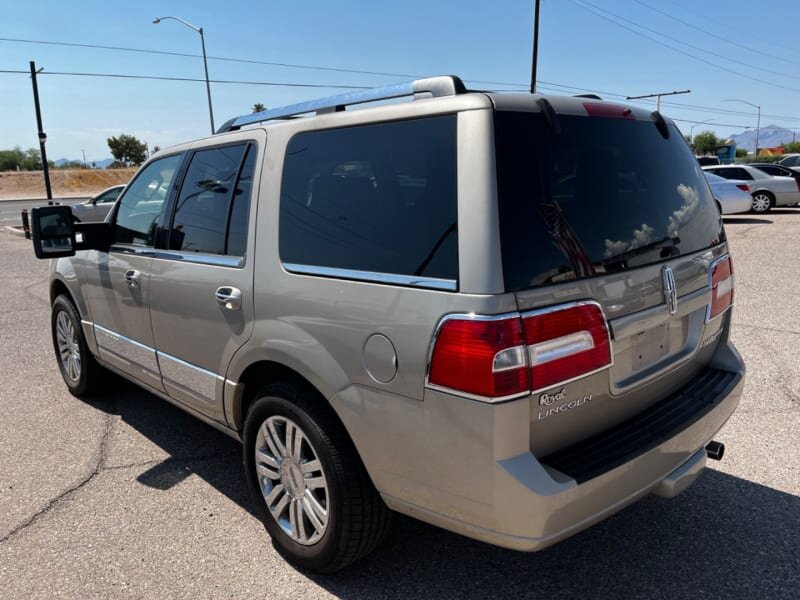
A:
[446,85]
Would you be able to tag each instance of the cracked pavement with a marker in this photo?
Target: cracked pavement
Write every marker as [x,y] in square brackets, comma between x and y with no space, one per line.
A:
[127,496]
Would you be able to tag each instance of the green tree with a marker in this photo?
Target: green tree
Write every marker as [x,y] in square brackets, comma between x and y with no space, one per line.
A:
[741,152]
[791,148]
[127,150]
[705,142]
[258,107]
[11,160]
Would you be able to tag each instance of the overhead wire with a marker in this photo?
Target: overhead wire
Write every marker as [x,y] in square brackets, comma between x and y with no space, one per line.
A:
[721,38]
[582,4]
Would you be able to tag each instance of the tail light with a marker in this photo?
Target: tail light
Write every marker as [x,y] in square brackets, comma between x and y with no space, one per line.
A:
[743,187]
[499,358]
[566,343]
[721,287]
[481,356]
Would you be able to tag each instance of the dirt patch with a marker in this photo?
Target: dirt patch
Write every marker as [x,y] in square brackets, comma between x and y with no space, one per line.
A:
[67,182]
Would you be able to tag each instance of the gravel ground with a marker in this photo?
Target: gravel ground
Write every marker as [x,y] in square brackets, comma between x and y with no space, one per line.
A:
[126,496]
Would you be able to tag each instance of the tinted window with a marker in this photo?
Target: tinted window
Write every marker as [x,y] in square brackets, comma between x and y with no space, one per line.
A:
[109,196]
[141,205]
[378,198]
[240,208]
[791,161]
[201,214]
[604,195]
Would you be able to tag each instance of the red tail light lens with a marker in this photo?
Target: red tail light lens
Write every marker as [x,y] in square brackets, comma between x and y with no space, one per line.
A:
[721,287]
[499,358]
[566,343]
[743,187]
[481,357]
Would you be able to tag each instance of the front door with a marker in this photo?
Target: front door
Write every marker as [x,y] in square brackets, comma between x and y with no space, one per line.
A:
[117,286]
[201,299]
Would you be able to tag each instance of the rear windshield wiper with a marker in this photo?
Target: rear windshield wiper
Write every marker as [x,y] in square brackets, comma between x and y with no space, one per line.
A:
[668,247]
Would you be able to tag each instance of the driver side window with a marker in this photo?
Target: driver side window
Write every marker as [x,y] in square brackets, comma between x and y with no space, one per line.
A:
[140,206]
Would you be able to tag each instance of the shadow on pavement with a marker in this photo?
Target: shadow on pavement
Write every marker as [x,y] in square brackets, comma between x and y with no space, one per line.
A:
[723,538]
[745,221]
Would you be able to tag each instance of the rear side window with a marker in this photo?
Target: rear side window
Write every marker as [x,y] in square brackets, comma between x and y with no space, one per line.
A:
[602,196]
[212,193]
[375,199]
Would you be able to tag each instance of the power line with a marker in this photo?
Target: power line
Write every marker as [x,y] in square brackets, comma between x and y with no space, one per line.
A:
[714,35]
[585,6]
[166,78]
[364,72]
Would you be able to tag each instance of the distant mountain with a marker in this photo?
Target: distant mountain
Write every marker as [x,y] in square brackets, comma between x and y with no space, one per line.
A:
[769,136]
[98,164]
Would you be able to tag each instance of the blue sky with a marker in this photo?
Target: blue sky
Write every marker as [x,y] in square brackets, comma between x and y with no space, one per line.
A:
[480,41]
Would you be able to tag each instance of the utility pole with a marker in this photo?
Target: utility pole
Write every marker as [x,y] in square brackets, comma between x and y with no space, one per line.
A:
[535,45]
[658,97]
[42,134]
[84,157]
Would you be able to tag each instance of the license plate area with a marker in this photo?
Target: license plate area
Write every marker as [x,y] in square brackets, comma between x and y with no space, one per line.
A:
[649,347]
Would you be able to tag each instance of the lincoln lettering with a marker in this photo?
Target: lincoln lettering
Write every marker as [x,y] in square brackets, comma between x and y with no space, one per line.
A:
[561,408]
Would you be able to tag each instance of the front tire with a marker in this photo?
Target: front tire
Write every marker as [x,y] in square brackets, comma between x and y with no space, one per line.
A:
[762,202]
[307,483]
[78,367]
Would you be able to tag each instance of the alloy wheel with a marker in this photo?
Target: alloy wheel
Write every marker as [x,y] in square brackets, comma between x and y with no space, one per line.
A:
[291,480]
[69,349]
[761,203]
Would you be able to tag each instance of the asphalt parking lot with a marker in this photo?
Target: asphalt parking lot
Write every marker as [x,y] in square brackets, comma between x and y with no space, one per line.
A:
[126,496]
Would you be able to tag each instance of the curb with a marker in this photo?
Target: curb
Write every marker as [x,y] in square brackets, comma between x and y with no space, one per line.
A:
[17,231]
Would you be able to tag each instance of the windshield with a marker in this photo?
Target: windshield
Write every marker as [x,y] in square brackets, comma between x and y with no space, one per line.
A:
[603,195]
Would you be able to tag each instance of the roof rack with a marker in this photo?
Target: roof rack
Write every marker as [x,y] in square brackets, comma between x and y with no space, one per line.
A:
[446,85]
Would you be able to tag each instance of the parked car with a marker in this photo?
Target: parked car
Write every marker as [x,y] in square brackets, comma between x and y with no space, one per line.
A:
[779,170]
[790,160]
[767,190]
[732,196]
[708,160]
[97,207]
[507,315]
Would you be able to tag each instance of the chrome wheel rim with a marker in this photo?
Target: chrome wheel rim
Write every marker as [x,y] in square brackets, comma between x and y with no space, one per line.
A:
[291,480]
[69,350]
[761,203]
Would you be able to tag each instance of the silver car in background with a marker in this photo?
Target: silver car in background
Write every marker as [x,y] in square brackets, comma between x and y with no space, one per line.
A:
[732,196]
[767,191]
[96,208]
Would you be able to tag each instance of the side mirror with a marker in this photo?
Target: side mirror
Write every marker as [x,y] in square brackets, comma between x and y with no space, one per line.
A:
[52,231]
[55,233]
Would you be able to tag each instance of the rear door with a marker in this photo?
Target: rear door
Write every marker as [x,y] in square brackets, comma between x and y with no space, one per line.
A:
[201,300]
[607,209]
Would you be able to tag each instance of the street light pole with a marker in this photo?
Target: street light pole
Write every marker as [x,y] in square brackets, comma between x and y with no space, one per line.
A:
[758,122]
[205,62]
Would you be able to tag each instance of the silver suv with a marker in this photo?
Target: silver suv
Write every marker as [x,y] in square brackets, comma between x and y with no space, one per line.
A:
[505,315]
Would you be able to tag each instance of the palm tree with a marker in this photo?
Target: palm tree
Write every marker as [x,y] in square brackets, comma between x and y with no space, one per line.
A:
[258,107]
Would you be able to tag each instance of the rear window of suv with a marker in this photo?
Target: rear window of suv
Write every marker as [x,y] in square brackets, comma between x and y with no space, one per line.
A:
[602,196]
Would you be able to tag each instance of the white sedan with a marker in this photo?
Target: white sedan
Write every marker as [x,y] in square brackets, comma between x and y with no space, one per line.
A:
[732,195]
[767,191]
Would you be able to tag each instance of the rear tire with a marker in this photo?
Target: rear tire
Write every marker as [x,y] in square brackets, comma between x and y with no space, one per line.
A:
[762,202]
[78,367]
[308,485]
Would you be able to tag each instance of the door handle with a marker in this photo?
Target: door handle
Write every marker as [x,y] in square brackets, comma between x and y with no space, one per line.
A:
[229,297]
[132,278]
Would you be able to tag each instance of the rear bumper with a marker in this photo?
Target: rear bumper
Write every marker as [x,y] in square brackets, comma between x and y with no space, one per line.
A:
[466,466]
